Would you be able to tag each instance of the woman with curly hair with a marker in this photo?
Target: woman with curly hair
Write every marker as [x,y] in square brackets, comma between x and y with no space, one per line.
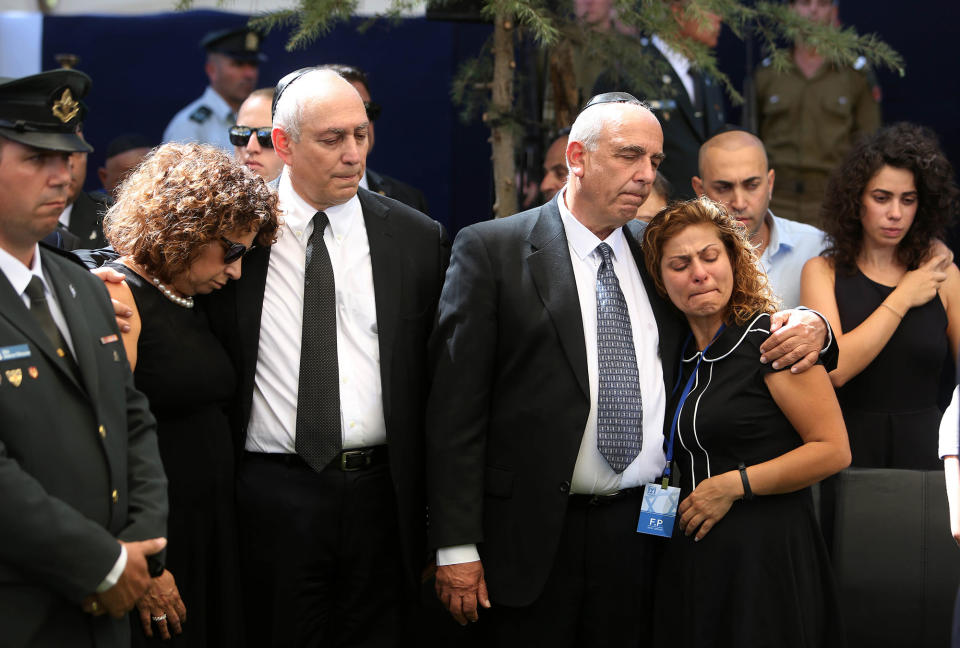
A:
[747,565]
[183,221]
[892,298]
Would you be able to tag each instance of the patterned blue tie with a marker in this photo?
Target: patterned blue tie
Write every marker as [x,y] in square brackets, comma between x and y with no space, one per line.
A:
[619,405]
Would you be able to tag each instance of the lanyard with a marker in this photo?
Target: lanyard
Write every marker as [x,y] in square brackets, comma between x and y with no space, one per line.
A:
[683,398]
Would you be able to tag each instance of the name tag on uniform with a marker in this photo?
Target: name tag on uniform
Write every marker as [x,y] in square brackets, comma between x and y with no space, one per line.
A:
[15,352]
[659,510]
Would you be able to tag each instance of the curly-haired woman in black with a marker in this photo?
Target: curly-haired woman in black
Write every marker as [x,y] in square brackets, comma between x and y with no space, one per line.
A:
[890,292]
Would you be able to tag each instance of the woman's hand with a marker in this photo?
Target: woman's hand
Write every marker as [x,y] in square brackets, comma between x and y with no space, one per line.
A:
[162,601]
[709,502]
[919,286]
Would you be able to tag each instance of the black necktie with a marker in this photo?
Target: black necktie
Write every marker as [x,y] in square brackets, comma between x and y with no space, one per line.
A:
[40,310]
[318,398]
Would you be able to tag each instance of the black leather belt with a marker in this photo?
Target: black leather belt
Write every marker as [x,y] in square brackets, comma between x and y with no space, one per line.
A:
[597,500]
[361,458]
[347,461]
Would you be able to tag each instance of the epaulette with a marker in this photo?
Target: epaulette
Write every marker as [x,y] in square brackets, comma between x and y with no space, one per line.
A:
[201,114]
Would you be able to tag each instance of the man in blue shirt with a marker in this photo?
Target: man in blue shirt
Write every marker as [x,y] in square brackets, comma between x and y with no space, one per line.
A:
[734,171]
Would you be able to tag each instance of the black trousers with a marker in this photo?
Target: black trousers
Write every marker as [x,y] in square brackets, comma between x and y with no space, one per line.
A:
[320,554]
[600,588]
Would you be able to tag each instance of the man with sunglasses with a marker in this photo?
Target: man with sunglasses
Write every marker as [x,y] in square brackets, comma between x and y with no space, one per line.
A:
[329,330]
[252,136]
[233,60]
[374,181]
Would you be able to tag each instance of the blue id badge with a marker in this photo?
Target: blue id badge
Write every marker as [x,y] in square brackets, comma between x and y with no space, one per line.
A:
[659,510]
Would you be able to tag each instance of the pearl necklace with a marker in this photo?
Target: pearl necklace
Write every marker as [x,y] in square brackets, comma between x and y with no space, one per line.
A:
[186,302]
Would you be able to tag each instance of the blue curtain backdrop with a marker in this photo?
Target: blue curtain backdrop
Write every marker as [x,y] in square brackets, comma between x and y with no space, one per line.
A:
[145,68]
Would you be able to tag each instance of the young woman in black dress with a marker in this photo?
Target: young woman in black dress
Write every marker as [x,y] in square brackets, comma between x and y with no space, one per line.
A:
[746,565]
[891,295]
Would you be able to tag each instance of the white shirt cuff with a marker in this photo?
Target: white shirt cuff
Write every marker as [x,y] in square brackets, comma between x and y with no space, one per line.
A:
[113,577]
[457,554]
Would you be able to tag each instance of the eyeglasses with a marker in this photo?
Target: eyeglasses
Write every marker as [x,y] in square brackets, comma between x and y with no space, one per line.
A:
[373,110]
[235,251]
[240,135]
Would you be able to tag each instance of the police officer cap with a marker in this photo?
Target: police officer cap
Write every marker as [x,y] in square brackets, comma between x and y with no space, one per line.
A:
[241,44]
[44,110]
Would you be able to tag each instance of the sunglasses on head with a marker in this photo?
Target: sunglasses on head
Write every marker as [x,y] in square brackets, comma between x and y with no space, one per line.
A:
[234,251]
[240,135]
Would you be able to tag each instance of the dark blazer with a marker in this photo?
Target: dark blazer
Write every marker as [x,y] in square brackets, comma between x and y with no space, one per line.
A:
[684,130]
[393,188]
[86,220]
[409,254]
[79,466]
[511,395]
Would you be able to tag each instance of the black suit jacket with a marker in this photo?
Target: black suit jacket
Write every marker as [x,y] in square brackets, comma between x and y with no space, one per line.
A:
[511,395]
[86,221]
[409,254]
[393,188]
[79,465]
[684,130]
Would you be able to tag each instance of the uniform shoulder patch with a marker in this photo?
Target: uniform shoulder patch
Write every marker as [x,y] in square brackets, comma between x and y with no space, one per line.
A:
[201,114]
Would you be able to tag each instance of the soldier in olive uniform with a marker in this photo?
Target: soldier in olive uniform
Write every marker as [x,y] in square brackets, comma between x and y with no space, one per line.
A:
[809,116]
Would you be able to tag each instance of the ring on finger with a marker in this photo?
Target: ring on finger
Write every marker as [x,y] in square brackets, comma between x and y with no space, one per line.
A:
[159,619]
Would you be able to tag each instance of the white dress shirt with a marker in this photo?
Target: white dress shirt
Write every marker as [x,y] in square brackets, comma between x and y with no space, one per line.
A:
[65,215]
[680,64]
[273,417]
[591,473]
[19,277]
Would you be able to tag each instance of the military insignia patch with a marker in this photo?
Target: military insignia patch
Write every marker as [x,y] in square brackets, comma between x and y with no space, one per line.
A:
[253,40]
[14,376]
[66,107]
[201,114]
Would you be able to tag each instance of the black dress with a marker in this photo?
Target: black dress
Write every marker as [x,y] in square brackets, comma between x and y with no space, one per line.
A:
[761,576]
[890,407]
[189,379]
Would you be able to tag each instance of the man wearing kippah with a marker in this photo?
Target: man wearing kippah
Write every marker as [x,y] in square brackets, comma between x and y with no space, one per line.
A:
[233,58]
[84,503]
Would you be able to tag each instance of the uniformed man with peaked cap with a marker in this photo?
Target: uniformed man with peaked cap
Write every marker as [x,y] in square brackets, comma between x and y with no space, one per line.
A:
[233,57]
[84,495]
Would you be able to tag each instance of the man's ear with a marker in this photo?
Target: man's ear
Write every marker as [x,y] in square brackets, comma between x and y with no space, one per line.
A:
[102,174]
[281,144]
[770,178]
[697,185]
[576,154]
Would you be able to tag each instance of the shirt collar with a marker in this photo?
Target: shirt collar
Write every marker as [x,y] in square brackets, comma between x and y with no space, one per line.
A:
[298,213]
[777,236]
[679,62]
[582,240]
[20,275]
[217,104]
